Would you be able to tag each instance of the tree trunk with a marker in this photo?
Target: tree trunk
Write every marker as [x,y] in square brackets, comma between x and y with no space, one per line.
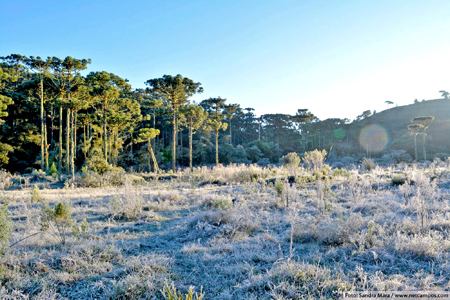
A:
[60,139]
[46,145]
[231,137]
[155,163]
[68,141]
[424,136]
[190,148]
[52,117]
[174,141]
[42,123]
[415,146]
[105,149]
[217,147]
[84,142]
[72,142]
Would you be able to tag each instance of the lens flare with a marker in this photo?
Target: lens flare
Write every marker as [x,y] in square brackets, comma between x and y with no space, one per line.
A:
[373,138]
[339,133]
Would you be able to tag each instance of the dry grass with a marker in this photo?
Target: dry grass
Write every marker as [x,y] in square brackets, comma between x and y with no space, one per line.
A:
[348,231]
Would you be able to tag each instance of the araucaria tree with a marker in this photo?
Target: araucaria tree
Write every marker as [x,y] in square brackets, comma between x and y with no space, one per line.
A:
[41,67]
[414,130]
[215,107]
[105,88]
[146,135]
[66,79]
[425,122]
[195,117]
[175,92]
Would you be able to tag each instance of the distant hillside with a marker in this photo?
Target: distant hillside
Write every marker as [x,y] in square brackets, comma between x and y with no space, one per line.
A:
[396,120]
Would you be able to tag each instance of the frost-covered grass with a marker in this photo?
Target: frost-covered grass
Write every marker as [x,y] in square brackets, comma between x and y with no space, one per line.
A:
[343,230]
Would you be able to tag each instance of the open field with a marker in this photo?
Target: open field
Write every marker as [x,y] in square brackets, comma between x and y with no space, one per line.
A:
[230,231]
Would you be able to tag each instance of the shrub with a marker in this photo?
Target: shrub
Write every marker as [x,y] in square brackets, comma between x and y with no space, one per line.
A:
[5,180]
[291,161]
[53,170]
[5,229]
[279,187]
[35,195]
[314,159]
[58,220]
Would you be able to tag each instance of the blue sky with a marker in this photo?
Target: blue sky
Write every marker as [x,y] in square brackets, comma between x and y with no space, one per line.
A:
[336,58]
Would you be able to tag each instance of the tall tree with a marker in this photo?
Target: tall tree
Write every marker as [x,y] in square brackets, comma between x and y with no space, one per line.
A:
[4,102]
[175,92]
[444,94]
[106,88]
[215,107]
[41,67]
[425,122]
[230,110]
[66,78]
[146,135]
[195,117]
[414,130]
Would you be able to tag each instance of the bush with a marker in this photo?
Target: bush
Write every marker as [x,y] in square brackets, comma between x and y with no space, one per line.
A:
[291,161]
[5,180]
[279,187]
[53,170]
[314,159]
[35,195]
[5,229]
[58,220]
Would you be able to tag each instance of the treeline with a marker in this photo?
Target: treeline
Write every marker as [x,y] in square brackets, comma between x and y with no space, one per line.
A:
[53,117]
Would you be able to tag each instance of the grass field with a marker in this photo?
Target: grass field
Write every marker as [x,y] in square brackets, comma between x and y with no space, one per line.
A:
[234,233]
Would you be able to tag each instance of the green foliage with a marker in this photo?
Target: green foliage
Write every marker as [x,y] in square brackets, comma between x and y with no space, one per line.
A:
[36,195]
[279,187]
[57,221]
[5,229]
[53,170]
[171,293]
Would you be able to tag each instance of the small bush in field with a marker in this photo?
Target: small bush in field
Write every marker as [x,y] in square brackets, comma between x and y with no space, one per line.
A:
[279,187]
[291,161]
[58,220]
[5,229]
[35,195]
[314,159]
[5,180]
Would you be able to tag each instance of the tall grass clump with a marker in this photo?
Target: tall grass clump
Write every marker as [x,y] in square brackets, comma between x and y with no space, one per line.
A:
[5,229]
[128,202]
[170,293]
[425,193]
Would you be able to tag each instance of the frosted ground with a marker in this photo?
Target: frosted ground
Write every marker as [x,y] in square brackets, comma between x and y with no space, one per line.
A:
[234,231]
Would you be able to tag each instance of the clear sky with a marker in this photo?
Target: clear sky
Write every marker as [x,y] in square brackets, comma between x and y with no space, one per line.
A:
[335,58]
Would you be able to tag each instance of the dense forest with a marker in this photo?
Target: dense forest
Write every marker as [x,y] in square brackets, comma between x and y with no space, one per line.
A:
[57,119]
